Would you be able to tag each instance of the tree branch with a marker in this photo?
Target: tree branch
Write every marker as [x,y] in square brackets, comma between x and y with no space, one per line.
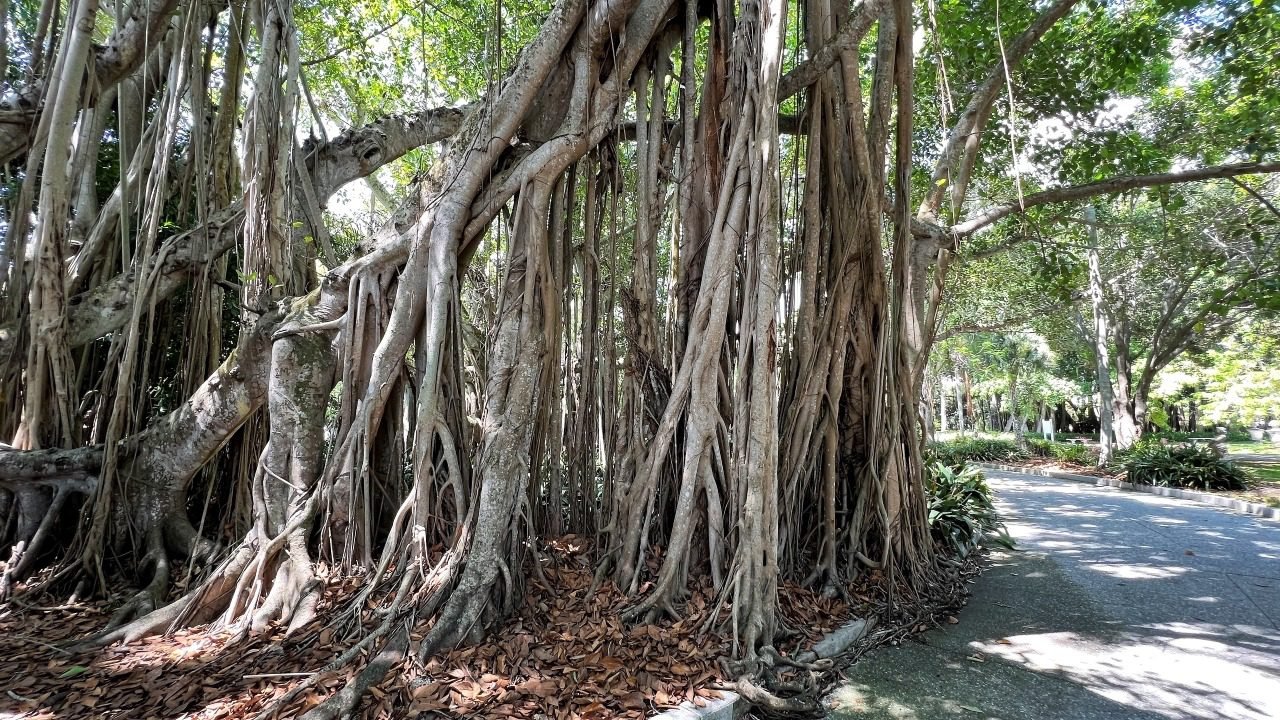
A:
[1105,187]
[124,50]
[951,173]
[19,467]
[130,42]
[1257,196]
[807,72]
[348,157]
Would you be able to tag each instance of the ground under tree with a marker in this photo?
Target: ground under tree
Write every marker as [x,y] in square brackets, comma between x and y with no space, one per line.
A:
[630,301]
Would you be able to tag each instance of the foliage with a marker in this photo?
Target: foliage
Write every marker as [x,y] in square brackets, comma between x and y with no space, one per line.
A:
[1235,382]
[1189,466]
[1176,436]
[961,511]
[1067,452]
[956,453]
[1242,40]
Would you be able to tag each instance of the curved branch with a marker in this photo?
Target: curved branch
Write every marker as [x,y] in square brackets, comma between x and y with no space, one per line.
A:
[1105,187]
[113,61]
[350,156]
[130,42]
[358,153]
[951,173]
[807,73]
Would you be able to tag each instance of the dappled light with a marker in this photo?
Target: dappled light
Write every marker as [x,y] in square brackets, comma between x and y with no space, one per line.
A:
[1221,664]
[582,359]
[1176,678]
[1137,620]
[1137,572]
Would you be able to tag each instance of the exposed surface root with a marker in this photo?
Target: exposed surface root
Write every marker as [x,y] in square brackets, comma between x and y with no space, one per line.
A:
[344,703]
[152,596]
[565,647]
[772,704]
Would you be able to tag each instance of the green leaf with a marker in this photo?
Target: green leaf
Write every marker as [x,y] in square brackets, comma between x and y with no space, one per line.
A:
[73,671]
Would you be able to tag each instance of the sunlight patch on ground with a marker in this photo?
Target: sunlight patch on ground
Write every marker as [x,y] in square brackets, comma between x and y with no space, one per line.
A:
[1077,511]
[1128,571]
[1180,677]
[1165,521]
[853,699]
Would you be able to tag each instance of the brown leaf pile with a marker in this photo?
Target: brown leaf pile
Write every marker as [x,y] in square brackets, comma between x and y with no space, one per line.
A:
[569,655]
[192,673]
[565,654]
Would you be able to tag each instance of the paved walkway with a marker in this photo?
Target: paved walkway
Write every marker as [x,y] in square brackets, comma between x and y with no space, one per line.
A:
[1117,605]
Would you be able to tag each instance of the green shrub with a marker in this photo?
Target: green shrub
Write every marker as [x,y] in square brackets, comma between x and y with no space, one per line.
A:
[1188,466]
[1238,435]
[1067,452]
[956,453]
[1233,435]
[961,513]
[1150,443]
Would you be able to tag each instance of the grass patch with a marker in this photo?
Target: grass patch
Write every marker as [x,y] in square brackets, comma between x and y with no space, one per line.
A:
[1268,473]
[1249,446]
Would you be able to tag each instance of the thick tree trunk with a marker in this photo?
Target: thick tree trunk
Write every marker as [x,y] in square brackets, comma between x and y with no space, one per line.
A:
[734,419]
[1127,428]
[1100,335]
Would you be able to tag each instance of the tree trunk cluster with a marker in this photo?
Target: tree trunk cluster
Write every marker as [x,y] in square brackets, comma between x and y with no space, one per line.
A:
[620,325]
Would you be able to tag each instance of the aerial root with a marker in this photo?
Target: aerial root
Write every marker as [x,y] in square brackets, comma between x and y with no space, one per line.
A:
[146,600]
[28,549]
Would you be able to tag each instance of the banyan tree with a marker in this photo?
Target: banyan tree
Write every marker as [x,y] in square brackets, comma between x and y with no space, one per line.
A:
[668,281]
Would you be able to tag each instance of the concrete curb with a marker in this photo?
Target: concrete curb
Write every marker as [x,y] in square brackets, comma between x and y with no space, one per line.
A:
[727,707]
[1230,503]
[731,705]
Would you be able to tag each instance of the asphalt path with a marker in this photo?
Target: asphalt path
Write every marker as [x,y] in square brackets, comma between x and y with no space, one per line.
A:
[1115,605]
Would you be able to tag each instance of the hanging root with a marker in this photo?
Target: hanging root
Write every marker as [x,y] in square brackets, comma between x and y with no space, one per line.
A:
[31,543]
[150,597]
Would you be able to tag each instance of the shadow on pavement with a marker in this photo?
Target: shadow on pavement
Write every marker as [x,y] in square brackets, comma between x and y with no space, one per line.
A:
[1115,606]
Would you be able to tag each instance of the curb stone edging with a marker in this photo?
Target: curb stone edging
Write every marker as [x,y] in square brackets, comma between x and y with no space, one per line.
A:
[727,707]
[731,705]
[1230,503]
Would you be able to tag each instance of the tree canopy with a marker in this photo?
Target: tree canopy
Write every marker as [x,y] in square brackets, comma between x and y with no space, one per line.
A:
[304,289]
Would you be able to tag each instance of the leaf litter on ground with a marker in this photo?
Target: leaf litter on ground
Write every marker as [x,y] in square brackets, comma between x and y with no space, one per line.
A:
[565,654]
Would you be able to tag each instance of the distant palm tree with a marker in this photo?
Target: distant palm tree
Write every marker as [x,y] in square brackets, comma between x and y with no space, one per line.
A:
[1018,353]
